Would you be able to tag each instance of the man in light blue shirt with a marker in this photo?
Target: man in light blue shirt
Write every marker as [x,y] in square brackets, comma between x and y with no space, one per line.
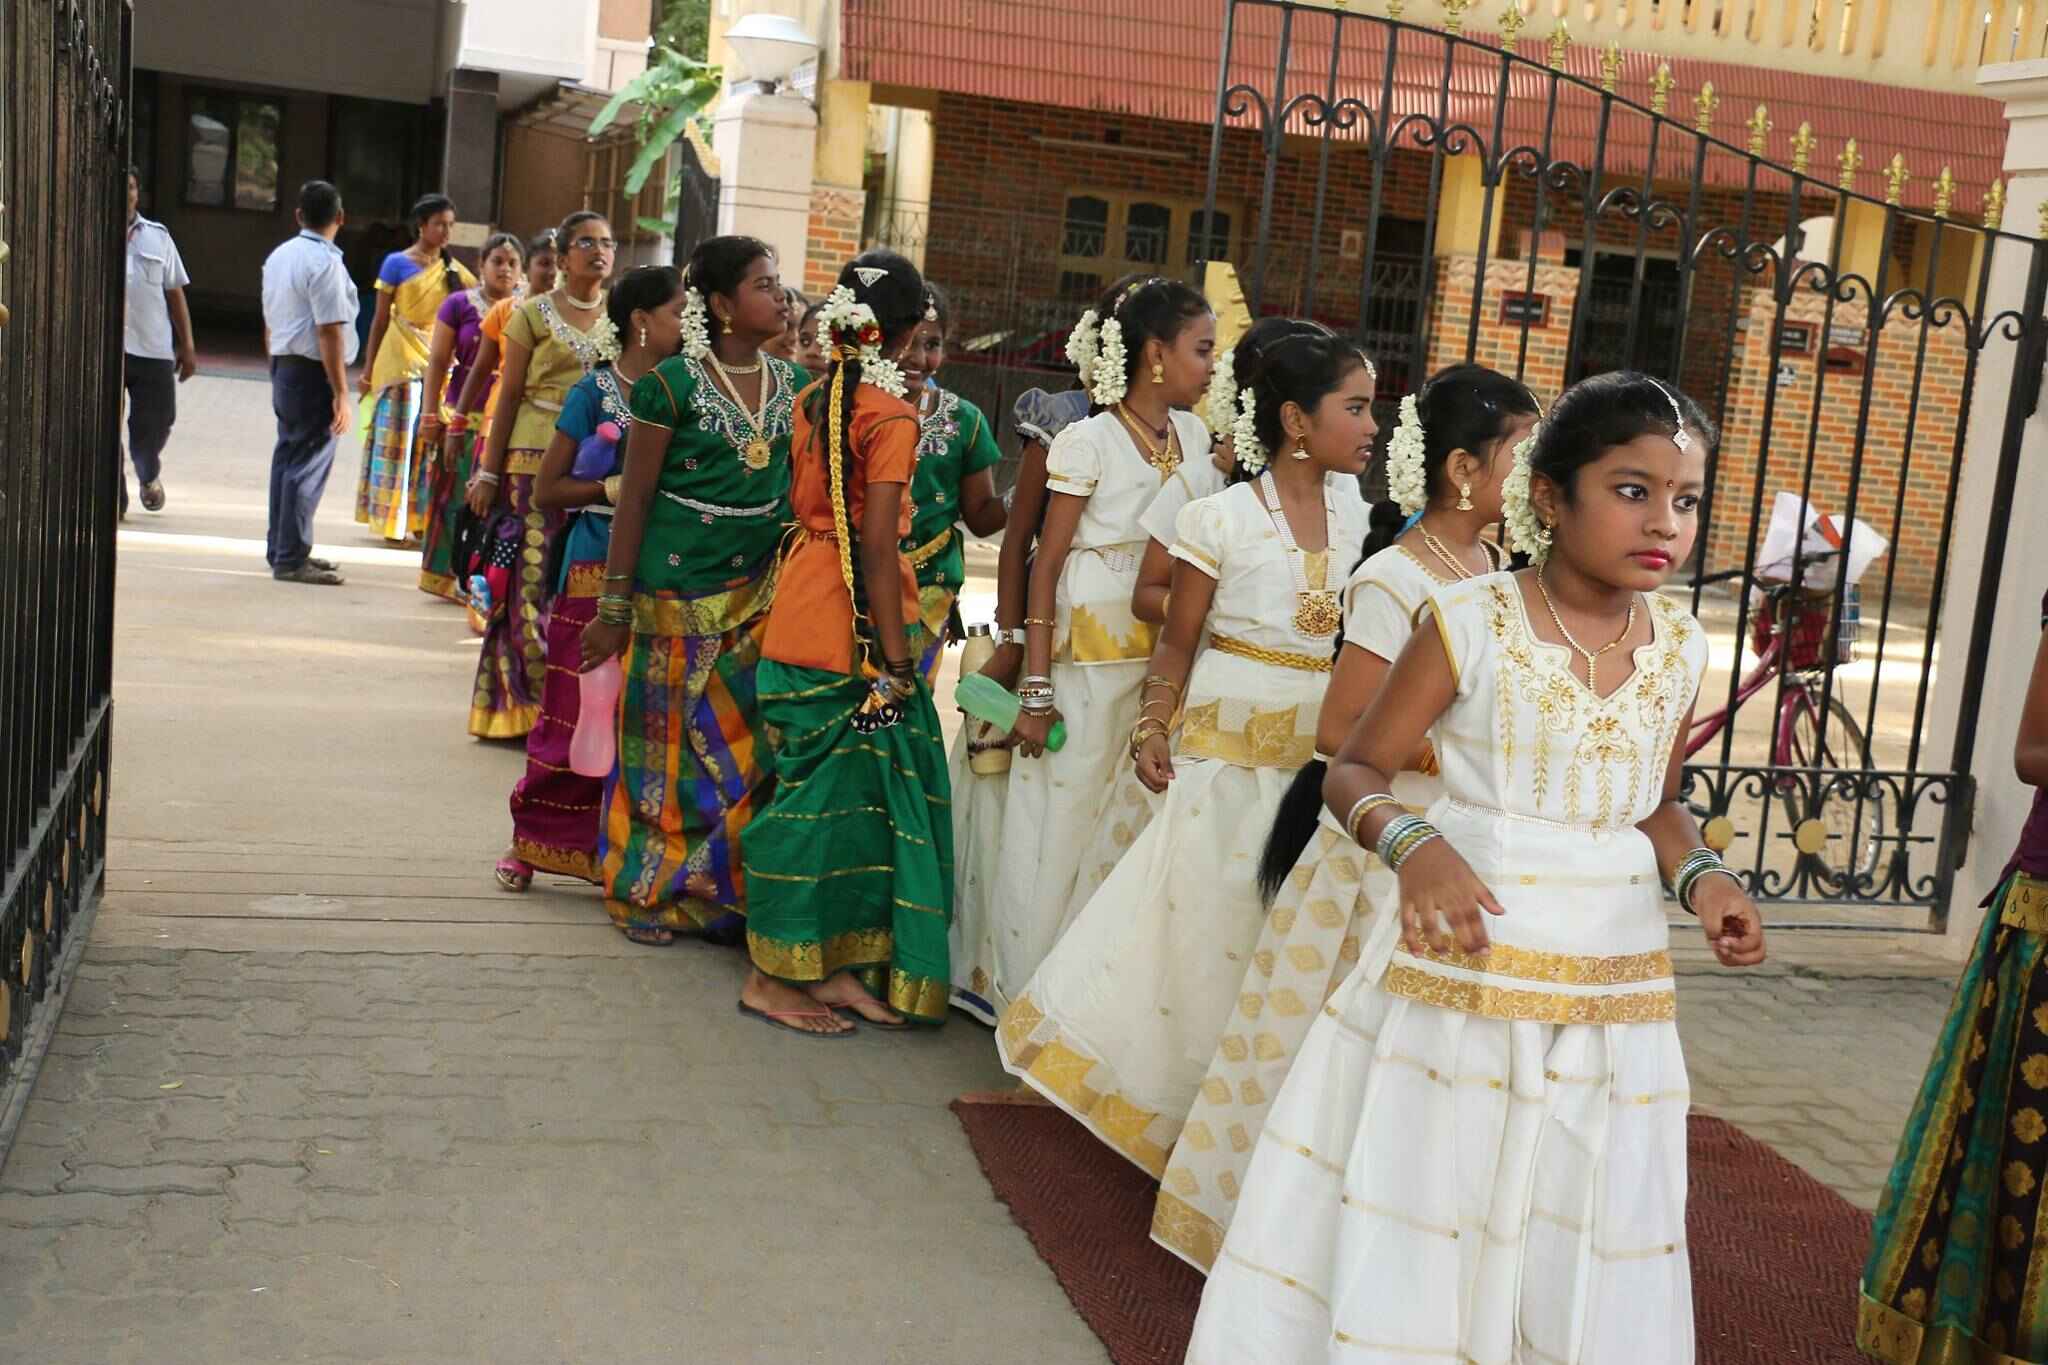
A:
[157,346]
[309,314]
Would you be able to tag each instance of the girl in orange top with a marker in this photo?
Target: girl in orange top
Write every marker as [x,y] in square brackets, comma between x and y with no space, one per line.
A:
[850,869]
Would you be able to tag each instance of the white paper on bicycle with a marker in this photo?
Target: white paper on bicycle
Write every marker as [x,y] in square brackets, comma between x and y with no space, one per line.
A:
[1822,536]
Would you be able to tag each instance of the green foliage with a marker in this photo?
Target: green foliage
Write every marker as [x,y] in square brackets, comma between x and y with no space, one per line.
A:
[685,25]
[677,89]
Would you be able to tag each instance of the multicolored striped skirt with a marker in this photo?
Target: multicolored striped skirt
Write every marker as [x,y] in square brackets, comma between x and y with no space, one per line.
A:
[447,485]
[555,809]
[511,674]
[692,768]
[850,868]
[1958,1267]
[929,634]
[391,497]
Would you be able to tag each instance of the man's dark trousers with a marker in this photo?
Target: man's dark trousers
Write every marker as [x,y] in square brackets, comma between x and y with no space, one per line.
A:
[304,403]
[152,408]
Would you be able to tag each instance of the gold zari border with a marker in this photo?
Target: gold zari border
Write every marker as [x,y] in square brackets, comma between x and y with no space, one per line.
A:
[1268,739]
[585,580]
[1549,1007]
[713,614]
[1886,1334]
[1186,1231]
[1092,640]
[1558,969]
[2026,905]
[927,552]
[1058,1070]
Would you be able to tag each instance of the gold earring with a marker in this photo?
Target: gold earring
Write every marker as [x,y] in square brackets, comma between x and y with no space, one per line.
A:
[1543,535]
[1464,493]
[1300,449]
[725,326]
[1158,373]
[643,336]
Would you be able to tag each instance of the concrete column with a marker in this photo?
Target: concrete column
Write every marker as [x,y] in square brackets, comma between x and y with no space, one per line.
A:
[766,144]
[1462,222]
[469,155]
[2002,802]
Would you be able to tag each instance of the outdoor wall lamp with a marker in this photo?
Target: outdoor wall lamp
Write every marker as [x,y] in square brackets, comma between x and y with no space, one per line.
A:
[771,47]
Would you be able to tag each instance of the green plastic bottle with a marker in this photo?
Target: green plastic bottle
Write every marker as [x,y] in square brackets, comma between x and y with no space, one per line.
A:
[987,700]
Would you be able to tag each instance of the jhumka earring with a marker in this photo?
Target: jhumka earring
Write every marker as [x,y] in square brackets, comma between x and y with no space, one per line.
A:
[1300,449]
[643,337]
[725,325]
[1158,373]
[1543,535]
[1464,495]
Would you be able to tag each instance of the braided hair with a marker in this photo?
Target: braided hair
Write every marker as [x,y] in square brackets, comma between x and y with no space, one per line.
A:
[899,300]
[1464,407]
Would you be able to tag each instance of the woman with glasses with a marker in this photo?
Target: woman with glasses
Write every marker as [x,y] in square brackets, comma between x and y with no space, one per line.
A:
[550,342]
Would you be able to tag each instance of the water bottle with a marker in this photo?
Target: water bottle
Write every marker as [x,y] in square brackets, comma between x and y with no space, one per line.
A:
[594,747]
[979,649]
[988,700]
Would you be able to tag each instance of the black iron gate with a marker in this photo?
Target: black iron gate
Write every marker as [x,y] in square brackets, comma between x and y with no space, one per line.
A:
[63,132]
[696,202]
[1576,230]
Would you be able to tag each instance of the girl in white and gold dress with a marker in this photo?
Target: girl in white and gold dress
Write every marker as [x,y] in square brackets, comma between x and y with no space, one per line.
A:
[1445,467]
[1147,355]
[1480,1155]
[1123,1013]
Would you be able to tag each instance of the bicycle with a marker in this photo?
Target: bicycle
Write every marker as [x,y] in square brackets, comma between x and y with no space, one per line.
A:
[1799,639]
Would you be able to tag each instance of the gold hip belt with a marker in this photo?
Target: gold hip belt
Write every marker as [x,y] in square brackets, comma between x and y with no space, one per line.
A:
[1279,658]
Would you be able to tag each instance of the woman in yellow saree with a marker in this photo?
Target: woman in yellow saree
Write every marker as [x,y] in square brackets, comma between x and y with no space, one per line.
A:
[392,497]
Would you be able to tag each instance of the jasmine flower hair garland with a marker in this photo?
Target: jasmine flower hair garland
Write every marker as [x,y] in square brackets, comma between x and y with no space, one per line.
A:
[856,335]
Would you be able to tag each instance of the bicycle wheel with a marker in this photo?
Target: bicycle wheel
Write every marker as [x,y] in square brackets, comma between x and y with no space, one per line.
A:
[1854,826]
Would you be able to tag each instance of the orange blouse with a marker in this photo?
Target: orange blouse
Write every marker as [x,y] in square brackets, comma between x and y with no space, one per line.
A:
[811,623]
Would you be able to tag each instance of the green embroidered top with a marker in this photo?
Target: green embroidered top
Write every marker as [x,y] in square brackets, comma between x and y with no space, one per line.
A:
[955,443]
[722,499]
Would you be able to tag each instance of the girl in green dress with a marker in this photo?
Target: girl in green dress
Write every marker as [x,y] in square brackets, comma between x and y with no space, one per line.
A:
[850,869]
[956,459]
[688,580]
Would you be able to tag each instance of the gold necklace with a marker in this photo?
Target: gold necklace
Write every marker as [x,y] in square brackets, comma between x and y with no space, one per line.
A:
[1443,552]
[1591,656]
[756,454]
[1164,458]
[754,368]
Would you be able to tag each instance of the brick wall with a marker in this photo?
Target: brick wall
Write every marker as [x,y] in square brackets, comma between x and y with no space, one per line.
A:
[1915,535]
[834,237]
[1500,345]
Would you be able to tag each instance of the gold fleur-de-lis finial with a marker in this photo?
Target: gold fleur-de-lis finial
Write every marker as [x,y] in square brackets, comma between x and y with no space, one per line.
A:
[1660,88]
[1560,44]
[1394,8]
[2043,233]
[1610,67]
[1994,205]
[1704,104]
[1895,177]
[1511,21]
[1944,192]
[1851,161]
[1759,129]
[1803,143]
[1454,15]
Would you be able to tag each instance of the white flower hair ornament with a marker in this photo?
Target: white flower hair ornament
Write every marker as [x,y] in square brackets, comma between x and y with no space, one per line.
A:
[1110,379]
[1252,455]
[1527,535]
[857,335]
[696,325]
[1407,475]
[1082,344]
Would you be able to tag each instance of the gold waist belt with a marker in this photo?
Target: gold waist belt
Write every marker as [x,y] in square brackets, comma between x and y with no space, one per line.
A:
[1280,658]
[925,553]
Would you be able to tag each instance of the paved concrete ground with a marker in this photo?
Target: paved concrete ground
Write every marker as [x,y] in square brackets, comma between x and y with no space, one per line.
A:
[323,1094]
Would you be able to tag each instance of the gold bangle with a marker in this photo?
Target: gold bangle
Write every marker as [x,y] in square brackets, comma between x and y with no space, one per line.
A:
[1038,621]
[1163,681]
[1144,730]
[1364,806]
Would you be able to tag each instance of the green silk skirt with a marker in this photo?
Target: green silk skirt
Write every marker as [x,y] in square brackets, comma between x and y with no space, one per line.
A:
[850,868]
[1958,1268]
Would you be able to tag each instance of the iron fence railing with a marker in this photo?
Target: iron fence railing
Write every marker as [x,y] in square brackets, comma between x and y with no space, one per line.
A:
[63,133]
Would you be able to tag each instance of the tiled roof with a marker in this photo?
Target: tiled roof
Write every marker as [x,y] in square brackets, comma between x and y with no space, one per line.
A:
[1159,58]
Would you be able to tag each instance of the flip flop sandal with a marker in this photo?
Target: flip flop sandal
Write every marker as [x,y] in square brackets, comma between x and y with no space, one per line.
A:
[513,875]
[654,937]
[774,1018]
